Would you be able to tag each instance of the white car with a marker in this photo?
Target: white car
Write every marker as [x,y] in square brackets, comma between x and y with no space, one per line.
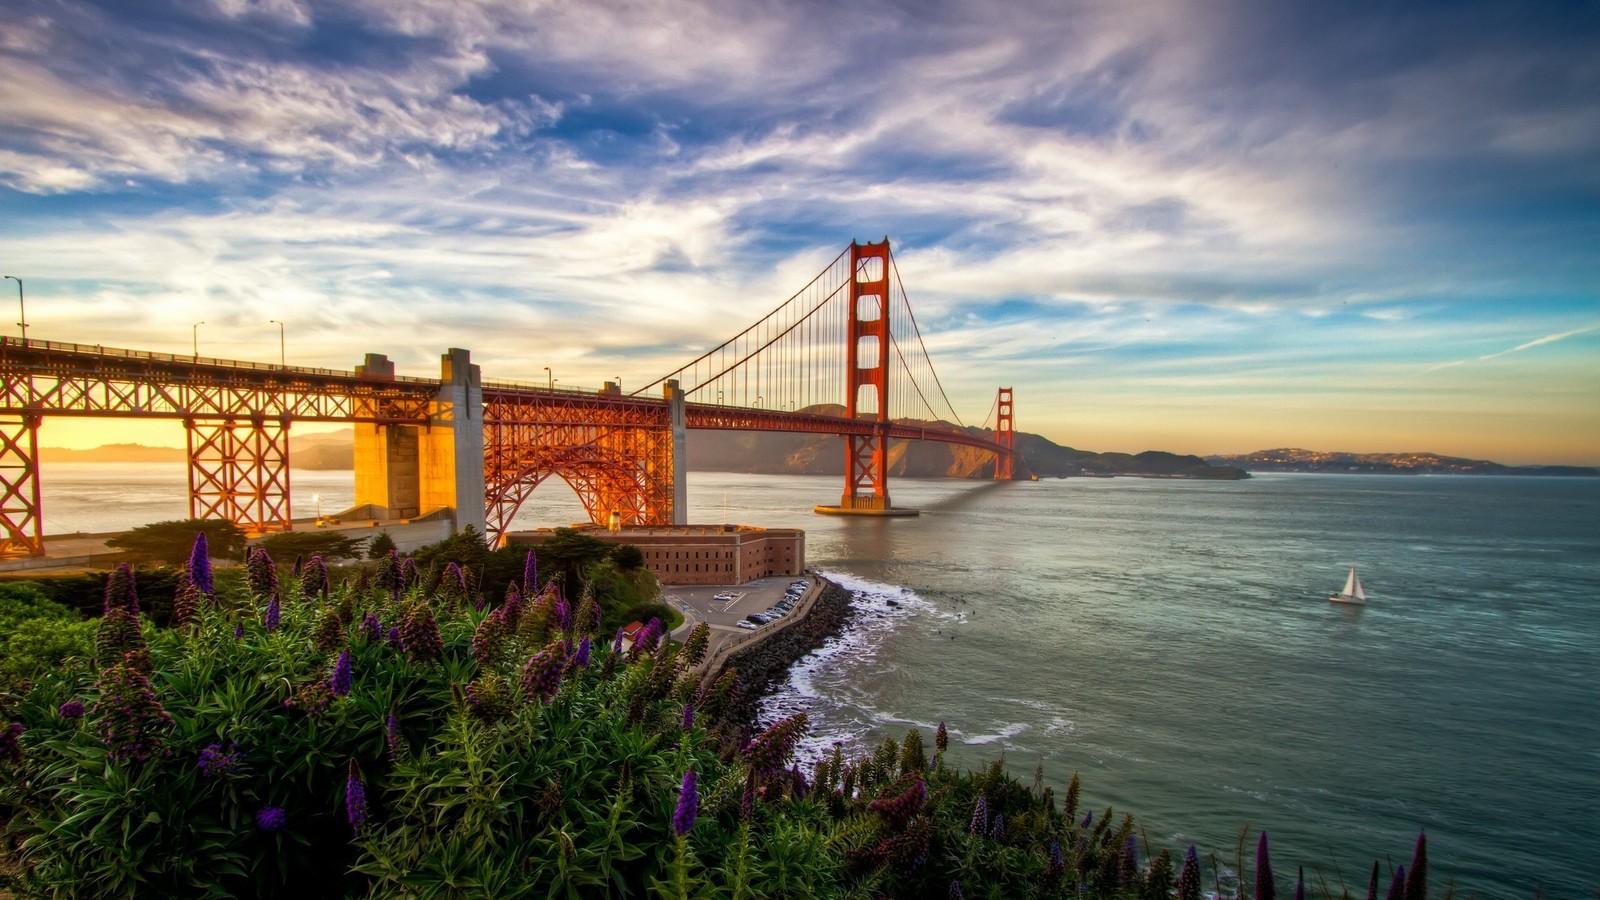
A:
[724,596]
[747,625]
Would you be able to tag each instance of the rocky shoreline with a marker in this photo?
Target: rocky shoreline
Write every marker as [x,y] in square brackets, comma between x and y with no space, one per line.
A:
[766,662]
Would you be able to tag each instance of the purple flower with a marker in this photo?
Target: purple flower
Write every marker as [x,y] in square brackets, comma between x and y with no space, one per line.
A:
[941,738]
[419,635]
[1417,874]
[616,642]
[270,818]
[1300,885]
[339,683]
[1058,863]
[11,743]
[1397,888]
[261,573]
[200,566]
[1128,865]
[998,831]
[688,716]
[955,890]
[72,709]
[530,573]
[394,637]
[688,805]
[541,674]
[273,616]
[132,723]
[238,631]
[1189,876]
[1088,819]
[391,734]
[214,762]
[121,592]
[563,614]
[582,656]
[355,800]
[1266,886]
[980,816]
[371,628]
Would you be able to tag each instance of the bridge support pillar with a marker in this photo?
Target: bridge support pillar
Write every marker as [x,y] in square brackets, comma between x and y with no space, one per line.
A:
[1005,464]
[20,511]
[680,452]
[866,474]
[240,472]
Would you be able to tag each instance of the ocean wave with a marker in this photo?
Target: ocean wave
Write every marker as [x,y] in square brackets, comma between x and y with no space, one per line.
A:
[878,609]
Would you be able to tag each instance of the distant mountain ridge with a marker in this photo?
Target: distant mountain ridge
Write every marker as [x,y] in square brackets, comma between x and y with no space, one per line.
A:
[1294,459]
[780,453]
[329,450]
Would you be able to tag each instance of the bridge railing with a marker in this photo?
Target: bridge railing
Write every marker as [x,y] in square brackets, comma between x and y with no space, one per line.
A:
[192,360]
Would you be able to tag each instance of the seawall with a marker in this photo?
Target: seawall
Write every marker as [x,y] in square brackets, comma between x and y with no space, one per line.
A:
[762,663]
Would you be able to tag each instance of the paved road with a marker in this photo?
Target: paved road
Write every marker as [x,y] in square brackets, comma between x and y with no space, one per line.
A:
[697,604]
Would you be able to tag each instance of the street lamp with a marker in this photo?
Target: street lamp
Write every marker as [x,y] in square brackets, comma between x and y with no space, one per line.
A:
[317,499]
[281,358]
[194,337]
[550,381]
[22,309]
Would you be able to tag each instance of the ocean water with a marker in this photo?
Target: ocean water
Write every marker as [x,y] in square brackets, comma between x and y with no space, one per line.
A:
[1172,641]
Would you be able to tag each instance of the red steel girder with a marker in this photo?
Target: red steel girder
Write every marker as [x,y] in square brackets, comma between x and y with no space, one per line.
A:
[19,487]
[1005,462]
[240,472]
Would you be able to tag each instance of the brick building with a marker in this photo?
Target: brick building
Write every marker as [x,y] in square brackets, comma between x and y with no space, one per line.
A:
[701,554]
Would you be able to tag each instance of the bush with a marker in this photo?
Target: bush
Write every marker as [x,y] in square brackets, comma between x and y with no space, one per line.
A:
[170,542]
[38,635]
[380,546]
[330,545]
[628,557]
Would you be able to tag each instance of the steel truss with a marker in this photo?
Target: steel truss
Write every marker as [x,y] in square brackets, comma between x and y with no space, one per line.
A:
[19,487]
[615,453]
[1005,461]
[240,472]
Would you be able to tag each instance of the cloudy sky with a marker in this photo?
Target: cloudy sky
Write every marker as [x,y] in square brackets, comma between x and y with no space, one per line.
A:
[1202,227]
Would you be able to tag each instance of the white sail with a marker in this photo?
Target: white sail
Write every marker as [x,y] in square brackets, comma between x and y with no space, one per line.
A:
[1352,592]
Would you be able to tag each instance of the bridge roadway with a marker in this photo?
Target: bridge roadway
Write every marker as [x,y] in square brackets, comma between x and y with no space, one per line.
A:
[622,454]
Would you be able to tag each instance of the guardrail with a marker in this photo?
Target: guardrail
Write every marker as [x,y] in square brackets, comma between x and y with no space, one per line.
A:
[195,360]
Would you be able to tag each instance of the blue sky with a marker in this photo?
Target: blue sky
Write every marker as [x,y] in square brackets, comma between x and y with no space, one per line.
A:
[1198,227]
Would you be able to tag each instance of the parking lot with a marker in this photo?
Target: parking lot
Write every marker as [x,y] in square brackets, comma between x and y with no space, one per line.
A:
[702,603]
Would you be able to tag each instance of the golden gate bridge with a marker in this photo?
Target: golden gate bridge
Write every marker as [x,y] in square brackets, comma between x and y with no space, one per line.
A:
[838,357]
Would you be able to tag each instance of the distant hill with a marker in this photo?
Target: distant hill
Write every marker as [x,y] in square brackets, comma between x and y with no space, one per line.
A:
[331,450]
[768,452]
[1291,459]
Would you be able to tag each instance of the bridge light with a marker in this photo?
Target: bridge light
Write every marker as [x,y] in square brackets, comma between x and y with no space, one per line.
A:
[194,337]
[22,309]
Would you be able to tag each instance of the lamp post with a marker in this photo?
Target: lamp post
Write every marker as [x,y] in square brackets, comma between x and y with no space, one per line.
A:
[194,337]
[619,384]
[317,499]
[22,309]
[282,359]
[550,381]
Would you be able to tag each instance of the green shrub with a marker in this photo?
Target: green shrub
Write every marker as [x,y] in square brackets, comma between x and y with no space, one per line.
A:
[170,542]
[38,635]
[330,545]
[380,545]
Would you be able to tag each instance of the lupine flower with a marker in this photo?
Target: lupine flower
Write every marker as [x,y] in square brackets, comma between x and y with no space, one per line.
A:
[980,817]
[72,709]
[407,573]
[214,762]
[339,682]
[314,577]
[261,573]
[121,591]
[797,783]
[694,646]
[132,725]
[1069,803]
[1397,888]
[955,890]
[1266,886]
[273,615]
[688,805]
[310,698]
[998,831]
[1417,874]
[419,635]
[371,628]
[530,573]
[329,633]
[389,578]
[1128,865]
[541,674]
[649,636]
[238,630]
[116,634]
[563,615]
[1088,819]
[185,600]
[582,656]
[11,743]
[270,818]
[391,734]
[355,800]
[200,566]
[512,607]
[394,637]
[770,750]
[941,738]
[616,642]
[901,801]
[453,583]
[1372,886]
[488,637]
[688,716]
[1300,885]
[1189,876]
[1058,863]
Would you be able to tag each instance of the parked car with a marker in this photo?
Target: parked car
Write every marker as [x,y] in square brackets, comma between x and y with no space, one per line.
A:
[750,625]
[724,596]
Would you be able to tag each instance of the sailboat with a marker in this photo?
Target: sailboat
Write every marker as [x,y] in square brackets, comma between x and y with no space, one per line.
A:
[1352,592]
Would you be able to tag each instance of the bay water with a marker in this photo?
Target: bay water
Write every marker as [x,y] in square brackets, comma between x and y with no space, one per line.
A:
[1173,642]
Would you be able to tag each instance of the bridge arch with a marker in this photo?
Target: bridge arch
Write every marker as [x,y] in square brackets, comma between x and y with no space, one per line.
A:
[607,480]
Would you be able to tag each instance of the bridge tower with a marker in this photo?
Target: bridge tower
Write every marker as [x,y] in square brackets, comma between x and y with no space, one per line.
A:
[1005,464]
[866,475]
